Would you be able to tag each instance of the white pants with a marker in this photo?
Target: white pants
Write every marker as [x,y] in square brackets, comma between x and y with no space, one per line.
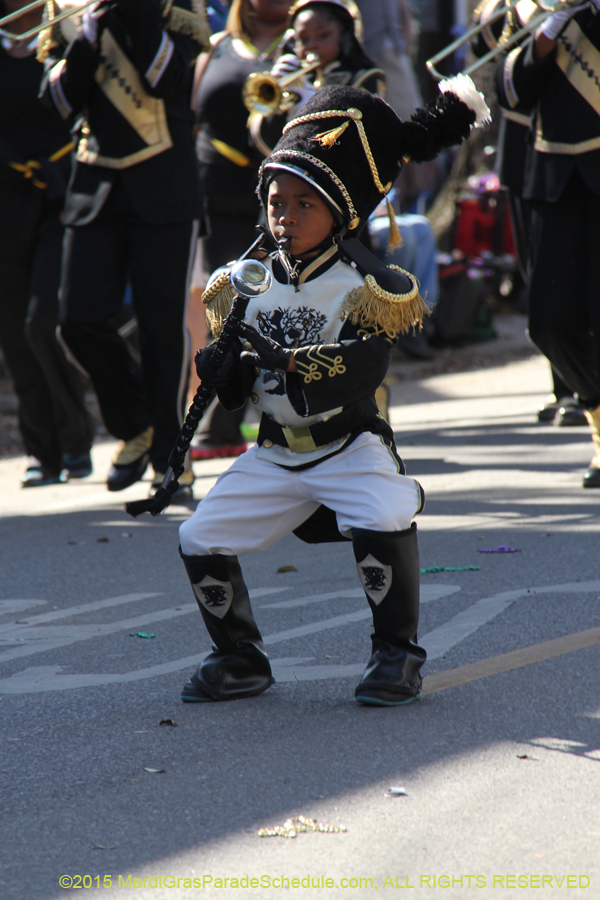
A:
[255,503]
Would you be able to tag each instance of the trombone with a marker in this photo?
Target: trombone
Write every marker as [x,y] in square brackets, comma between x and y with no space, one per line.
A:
[547,7]
[264,94]
[45,23]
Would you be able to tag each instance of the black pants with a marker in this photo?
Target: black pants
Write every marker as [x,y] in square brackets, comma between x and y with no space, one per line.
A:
[233,211]
[52,416]
[564,308]
[99,259]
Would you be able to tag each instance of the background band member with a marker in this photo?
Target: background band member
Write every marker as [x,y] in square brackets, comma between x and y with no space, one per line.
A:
[513,138]
[131,212]
[330,31]
[554,73]
[229,164]
[35,148]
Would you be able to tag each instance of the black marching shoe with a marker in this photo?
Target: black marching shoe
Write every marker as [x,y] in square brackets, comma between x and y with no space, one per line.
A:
[388,567]
[39,475]
[77,465]
[130,461]
[570,414]
[238,665]
[591,479]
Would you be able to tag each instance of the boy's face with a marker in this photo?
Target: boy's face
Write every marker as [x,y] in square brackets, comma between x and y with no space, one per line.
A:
[297,212]
[317,33]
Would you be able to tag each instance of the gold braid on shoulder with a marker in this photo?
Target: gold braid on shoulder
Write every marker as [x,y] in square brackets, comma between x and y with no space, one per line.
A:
[51,36]
[192,22]
[218,298]
[370,306]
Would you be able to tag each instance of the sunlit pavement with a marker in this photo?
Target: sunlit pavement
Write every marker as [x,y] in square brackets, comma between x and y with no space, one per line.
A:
[499,759]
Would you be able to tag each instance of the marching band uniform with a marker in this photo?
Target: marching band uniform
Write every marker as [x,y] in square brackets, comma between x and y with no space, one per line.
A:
[562,183]
[352,68]
[131,213]
[34,169]
[325,464]
[513,139]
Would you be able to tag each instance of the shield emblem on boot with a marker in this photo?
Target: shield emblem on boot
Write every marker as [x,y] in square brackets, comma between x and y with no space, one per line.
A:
[375,577]
[215,596]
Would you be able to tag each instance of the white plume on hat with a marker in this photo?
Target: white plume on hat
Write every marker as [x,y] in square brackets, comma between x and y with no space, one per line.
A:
[464,88]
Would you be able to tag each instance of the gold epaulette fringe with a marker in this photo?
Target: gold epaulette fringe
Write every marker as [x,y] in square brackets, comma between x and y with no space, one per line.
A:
[218,299]
[370,306]
[195,24]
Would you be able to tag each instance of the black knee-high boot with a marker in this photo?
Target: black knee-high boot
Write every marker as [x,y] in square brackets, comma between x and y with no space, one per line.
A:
[388,567]
[238,666]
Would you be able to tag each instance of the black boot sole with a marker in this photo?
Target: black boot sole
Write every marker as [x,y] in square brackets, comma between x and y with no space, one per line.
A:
[193,693]
[372,700]
[591,479]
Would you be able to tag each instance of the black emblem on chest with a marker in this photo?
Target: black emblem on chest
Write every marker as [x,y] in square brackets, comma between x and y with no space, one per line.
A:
[292,328]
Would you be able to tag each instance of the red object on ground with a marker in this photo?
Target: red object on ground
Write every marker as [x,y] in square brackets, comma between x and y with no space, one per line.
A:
[224,450]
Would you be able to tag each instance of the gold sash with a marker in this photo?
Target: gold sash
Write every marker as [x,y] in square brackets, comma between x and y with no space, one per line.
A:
[579,60]
[581,64]
[122,85]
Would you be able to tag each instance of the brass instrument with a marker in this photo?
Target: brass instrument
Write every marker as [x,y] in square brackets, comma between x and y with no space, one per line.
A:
[265,95]
[67,11]
[547,7]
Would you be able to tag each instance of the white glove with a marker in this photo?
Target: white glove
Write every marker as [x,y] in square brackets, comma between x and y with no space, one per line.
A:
[289,63]
[558,21]
[90,20]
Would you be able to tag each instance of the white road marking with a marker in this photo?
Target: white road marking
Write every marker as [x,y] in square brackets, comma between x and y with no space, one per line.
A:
[35,639]
[78,610]
[437,642]
[442,639]
[18,606]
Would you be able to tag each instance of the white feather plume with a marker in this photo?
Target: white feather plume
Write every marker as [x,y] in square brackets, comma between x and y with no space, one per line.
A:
[465,90]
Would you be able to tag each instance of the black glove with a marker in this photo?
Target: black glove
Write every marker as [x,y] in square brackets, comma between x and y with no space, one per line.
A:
[267,354]
[208,375]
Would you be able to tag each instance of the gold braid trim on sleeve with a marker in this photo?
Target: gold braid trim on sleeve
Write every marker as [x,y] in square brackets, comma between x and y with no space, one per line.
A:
[192,22]
[316,358]
[218,298]
[370,306]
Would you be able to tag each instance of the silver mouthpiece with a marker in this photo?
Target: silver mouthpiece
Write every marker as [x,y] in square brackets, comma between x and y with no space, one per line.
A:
[250,278]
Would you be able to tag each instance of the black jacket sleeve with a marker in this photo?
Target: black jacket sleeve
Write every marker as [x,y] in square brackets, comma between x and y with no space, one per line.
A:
[520,77]
[69,80]
[330,376]
[161,55]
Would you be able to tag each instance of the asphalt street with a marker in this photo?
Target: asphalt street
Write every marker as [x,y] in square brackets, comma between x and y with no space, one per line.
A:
[495,769]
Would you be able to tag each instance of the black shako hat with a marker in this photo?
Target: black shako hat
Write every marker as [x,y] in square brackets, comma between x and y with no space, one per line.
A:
[350,146]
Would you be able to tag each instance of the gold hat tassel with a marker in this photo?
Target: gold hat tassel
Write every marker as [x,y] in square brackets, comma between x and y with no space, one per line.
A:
[329,138]
[394,237]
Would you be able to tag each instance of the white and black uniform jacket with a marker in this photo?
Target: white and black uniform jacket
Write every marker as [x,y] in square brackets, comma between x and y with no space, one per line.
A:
[318,410]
